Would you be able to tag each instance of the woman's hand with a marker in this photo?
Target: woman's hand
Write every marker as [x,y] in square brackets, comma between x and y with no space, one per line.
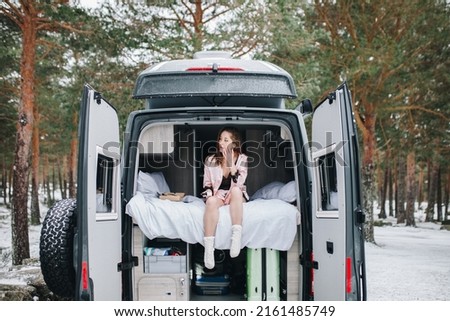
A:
[233,170]
[207,193]
[230,159]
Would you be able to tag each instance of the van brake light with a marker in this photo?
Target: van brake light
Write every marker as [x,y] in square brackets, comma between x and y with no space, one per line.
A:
[214,68]
[84,275]
[348,275]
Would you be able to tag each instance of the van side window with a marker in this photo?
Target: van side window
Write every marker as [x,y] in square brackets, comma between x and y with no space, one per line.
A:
[104,185]
[328,182]
[158,139]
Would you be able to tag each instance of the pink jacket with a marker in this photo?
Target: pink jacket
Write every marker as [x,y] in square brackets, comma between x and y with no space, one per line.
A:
[214,174]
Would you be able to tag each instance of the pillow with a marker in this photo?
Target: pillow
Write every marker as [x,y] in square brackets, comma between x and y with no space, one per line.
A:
[277,190]
[268,191]
[288,192]
[152,183]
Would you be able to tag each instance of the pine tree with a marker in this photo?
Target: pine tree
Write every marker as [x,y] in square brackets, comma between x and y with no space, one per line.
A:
[29,17]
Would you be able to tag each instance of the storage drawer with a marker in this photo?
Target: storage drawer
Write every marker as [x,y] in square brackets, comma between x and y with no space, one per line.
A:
[164,264]
[163,287]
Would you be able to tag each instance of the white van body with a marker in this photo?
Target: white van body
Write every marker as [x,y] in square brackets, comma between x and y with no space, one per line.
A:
[186,103]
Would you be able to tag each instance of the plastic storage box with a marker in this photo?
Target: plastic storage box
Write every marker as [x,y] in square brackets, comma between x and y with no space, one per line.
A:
[157,264]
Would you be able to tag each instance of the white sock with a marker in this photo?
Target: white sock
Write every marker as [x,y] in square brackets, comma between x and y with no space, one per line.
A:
[209,252]
[236,233]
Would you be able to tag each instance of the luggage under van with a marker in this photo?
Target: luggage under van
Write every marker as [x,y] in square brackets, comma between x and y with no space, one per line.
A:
[212,285]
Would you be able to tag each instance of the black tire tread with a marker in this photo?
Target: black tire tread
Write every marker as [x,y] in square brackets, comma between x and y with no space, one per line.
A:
[56,248]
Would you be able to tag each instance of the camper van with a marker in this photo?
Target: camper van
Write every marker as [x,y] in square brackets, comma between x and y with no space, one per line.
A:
[135,229]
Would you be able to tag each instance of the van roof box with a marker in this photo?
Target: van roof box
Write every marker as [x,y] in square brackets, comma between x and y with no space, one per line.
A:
[214,74]
[212,54]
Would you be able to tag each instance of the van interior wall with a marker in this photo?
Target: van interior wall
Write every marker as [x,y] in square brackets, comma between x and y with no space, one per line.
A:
[268,160]
[178,167]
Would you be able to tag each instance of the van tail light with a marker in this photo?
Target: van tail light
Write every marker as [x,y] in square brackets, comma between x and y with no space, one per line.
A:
[213,68]
[84,275]
[348,275]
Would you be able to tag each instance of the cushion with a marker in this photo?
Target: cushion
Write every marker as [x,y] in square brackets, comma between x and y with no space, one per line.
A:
[277,190]
[268,191]
[288,192]
[152,183]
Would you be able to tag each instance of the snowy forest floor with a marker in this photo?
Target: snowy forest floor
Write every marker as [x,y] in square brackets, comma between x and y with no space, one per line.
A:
[404,264]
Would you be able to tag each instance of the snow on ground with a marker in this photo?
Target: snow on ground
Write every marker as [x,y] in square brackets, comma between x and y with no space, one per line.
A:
[405,264]
[5,238]
[409,263]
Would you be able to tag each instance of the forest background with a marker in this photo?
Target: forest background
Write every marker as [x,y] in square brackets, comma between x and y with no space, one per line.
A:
[394,56]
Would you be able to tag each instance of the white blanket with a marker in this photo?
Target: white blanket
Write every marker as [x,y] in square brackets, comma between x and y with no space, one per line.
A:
[266,223]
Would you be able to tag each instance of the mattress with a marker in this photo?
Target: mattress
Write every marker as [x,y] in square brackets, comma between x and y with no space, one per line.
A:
[267,223]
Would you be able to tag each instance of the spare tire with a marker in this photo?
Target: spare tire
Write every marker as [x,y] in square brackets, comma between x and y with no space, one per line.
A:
[56,248]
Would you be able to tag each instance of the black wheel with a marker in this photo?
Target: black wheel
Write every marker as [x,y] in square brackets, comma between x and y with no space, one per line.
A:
[56,248]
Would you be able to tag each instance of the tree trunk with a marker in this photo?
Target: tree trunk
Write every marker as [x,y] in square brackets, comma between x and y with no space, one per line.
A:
[401,193]
[429,170]
[378,181]
[368,186]
[5,183]
[60,182]
[73,157]
[10,184]
[391,188]
[410,188]
[49,192]
[367,182]
[19,215]
[420,186]
[384,186]
[432,191]
[53,184]
[198,26]
[439,196]
[447,195]
[35,211]
[45,177]
[396,190]
[64,177]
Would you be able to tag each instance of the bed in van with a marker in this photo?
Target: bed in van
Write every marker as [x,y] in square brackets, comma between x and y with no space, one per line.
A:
[134,231]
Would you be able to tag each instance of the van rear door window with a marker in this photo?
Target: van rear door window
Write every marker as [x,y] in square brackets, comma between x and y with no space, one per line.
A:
[328,187]
[328,182]
[104,184]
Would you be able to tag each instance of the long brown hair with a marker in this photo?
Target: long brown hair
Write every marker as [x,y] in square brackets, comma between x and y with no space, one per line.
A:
[236,141]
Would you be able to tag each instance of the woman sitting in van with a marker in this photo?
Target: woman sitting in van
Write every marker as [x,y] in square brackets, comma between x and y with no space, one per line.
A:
[224,179]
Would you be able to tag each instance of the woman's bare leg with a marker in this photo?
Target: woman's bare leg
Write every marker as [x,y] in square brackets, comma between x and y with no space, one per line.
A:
[211,215]
[210,220]
[236,208]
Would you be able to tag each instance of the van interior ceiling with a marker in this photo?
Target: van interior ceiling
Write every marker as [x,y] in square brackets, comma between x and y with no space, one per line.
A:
[179,150]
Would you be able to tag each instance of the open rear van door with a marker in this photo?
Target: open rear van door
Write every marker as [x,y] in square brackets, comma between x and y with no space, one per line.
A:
[338,243]
[98,232]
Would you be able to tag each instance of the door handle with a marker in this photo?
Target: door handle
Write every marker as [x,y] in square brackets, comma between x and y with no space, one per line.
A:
[330,247]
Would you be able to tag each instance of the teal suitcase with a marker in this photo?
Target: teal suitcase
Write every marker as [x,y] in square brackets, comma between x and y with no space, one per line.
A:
[263,275]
